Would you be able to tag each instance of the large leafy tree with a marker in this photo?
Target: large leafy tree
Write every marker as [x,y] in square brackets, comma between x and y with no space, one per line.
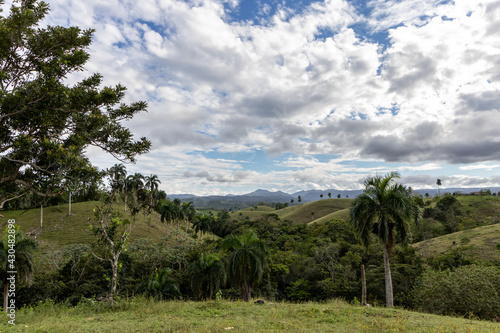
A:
[19,259]
[247,261]
[46,124]
[384,209]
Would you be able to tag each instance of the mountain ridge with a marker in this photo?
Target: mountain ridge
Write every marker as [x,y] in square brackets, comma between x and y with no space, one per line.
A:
[239,201]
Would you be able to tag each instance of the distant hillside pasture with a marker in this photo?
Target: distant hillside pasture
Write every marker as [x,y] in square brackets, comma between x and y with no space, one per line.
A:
[483,242]
[324,210]
[253,212]
[60,229]
[342,214]
[302,214]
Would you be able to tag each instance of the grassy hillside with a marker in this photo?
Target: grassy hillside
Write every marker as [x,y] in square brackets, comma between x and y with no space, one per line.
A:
[61,229]
[324,210]
[141,315]
[483,242]
[302,214]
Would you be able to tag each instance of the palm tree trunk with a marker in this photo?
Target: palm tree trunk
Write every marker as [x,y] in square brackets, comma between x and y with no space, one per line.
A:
[389,297]
[246,291]
[363,285]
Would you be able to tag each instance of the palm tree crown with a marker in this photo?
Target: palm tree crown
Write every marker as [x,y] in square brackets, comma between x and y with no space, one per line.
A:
[207,275]
[247,261]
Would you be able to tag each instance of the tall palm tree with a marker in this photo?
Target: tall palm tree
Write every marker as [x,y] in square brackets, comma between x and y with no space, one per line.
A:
[187,212]
[247,261]
[207,275]
[202,224]
[177,207]
[22,263]
[118,174]
[152,183]
[438,183]
[168,213]
[384,209]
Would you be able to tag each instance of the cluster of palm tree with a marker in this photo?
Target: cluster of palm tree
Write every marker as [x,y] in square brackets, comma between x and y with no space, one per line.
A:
[204,223]
[135,188]
[175,211]
[244,263]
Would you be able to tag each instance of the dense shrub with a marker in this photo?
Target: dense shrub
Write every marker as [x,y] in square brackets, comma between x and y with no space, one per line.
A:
[468,291]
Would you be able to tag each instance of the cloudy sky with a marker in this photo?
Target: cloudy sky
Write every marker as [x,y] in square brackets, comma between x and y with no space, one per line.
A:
[293,95]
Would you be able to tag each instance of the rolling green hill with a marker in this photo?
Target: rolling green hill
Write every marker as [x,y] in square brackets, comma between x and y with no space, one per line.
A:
[324,210]
[482,241]
[60,229]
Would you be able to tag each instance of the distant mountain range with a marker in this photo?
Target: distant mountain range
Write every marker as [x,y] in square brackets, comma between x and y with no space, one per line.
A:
[232,201]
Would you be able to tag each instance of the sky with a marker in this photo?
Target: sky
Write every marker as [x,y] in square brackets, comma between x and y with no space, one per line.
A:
[298,95]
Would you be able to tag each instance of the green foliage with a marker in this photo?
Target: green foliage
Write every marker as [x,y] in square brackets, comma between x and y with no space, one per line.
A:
[247,261]
[46,125]
[207,276]
[467,291]
[452,259]
[162,286]
[299,291]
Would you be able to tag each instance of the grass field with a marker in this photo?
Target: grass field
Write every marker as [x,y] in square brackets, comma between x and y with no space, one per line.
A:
[324,210]
[483,242]
[60,229]
[143,315]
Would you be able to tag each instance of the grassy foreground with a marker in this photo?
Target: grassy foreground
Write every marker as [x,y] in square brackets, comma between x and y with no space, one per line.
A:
[143,315]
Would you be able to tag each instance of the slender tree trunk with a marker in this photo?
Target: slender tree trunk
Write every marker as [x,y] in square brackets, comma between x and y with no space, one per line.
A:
[166,229]
[363,285]
[69,203]
[41,216]
[389,297]
[5,295]
[177,235]
[114,279]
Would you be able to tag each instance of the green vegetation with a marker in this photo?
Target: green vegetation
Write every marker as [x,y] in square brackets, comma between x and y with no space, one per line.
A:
[106,244]
[479,243]
[45,124]
[143,315]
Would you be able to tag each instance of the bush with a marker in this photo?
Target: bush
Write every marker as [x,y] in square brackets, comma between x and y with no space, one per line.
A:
[468,291]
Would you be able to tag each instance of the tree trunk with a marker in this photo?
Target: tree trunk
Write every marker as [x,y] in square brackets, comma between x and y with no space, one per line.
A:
[363,285]
[389,297]
[166,229]
[5,295]
[178,223]
[114,279]
[41,216]
[69,203]
[246,292]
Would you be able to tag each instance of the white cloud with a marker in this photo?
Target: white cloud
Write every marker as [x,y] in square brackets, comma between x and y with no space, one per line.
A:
[213,84]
